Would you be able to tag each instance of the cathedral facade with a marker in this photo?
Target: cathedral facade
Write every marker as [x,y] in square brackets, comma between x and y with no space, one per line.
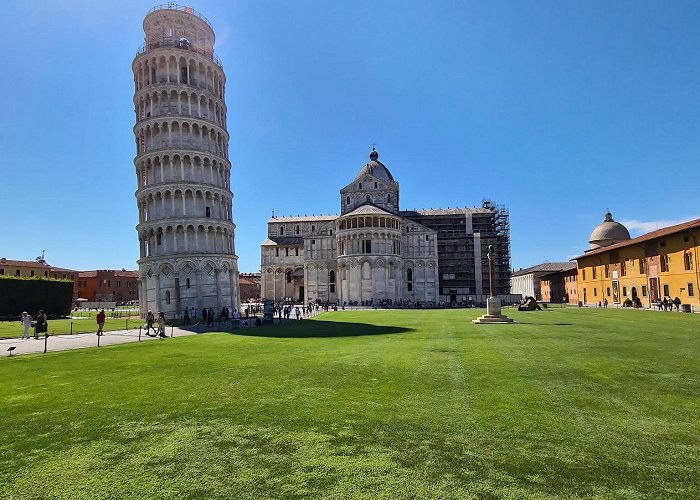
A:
[374,253]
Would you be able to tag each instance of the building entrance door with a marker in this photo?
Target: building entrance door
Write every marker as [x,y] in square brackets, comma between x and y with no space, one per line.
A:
[453,298]
[301,294]
[653,290]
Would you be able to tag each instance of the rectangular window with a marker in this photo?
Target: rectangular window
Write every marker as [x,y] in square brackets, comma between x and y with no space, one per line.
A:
[664,263]
[688,261]
[666,291]
[109,283]
[208,211]
[584,274]
[32,274]
[644,290]
[119,283]
[595,275]
[607,270]
[595,292]
[642,266]
[624,291]
[623,268]
[691,290]
[662,244]
[607,291]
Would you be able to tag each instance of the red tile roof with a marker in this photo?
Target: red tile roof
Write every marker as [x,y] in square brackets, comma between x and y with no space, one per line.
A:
[23,263]
[659,233]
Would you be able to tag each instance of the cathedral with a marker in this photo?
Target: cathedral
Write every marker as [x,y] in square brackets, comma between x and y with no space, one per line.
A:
[374,253]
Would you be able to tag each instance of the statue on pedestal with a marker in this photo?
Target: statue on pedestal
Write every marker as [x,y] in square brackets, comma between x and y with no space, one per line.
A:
[493,303]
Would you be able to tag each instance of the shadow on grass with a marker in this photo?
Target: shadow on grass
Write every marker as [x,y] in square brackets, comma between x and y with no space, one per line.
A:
[310,329]
[542,324]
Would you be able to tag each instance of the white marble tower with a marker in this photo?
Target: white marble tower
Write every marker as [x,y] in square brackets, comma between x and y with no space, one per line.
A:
[185,228]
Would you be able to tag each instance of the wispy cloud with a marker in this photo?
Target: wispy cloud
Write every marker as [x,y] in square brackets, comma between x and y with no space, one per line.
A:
[637,227]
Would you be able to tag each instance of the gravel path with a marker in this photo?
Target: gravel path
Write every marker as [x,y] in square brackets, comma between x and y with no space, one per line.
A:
[81,340]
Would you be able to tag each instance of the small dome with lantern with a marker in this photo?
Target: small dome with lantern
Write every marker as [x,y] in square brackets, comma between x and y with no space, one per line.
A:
[608,233]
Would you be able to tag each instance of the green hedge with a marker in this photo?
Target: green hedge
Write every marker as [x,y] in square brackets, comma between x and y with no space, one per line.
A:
[52,296]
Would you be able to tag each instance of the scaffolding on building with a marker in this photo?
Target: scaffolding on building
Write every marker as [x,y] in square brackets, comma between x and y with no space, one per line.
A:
[500,227]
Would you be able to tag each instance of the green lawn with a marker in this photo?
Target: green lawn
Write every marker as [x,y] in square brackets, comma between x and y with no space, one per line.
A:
[396,404]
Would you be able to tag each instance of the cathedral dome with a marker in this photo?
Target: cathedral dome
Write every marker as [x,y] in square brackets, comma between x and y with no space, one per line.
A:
[375,168]
[608,232]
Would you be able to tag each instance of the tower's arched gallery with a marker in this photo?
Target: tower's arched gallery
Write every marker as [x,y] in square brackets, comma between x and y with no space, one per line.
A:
[373,252]
[185,227]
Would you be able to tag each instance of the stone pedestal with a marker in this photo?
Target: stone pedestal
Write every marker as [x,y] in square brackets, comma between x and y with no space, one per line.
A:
[493,313]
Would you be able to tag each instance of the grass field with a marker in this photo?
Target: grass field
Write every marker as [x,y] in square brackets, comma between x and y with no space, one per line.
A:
[396,404]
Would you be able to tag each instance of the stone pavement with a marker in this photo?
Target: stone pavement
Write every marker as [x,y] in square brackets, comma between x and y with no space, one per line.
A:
[81,340]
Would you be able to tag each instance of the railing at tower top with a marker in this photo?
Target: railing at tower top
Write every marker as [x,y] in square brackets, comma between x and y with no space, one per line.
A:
[178,44]
[183,8]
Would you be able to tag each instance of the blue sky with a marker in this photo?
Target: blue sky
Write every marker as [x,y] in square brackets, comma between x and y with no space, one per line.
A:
[559,110]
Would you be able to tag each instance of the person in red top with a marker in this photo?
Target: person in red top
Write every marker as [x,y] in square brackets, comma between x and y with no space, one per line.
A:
[100,322]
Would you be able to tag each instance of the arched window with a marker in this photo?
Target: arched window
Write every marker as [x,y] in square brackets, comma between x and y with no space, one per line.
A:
[296,229]
[368,198]
[409,279]
[289,276]
[359,186]
[388,198]
[281,230]
[347,200]
[375,185]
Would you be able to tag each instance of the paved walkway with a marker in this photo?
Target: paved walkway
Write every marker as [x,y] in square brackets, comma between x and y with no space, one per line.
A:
[81,340]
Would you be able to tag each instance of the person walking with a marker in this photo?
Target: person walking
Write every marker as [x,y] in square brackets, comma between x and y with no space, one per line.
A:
[297,313]
[41,325]
[210,317]
[100,322]
[26,320]
[150,319]
[161,325]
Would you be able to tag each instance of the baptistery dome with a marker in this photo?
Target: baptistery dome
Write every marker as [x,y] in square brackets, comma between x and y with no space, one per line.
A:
[375,168]
[608,232]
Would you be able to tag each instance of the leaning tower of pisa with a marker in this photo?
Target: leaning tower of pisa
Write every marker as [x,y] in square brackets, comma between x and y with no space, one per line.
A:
[185,228]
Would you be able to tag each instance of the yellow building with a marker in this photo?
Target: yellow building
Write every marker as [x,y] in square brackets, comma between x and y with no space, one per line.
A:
[33,268]
[657,265]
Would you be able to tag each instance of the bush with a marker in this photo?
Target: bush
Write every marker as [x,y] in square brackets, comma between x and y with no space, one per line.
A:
[19,294]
